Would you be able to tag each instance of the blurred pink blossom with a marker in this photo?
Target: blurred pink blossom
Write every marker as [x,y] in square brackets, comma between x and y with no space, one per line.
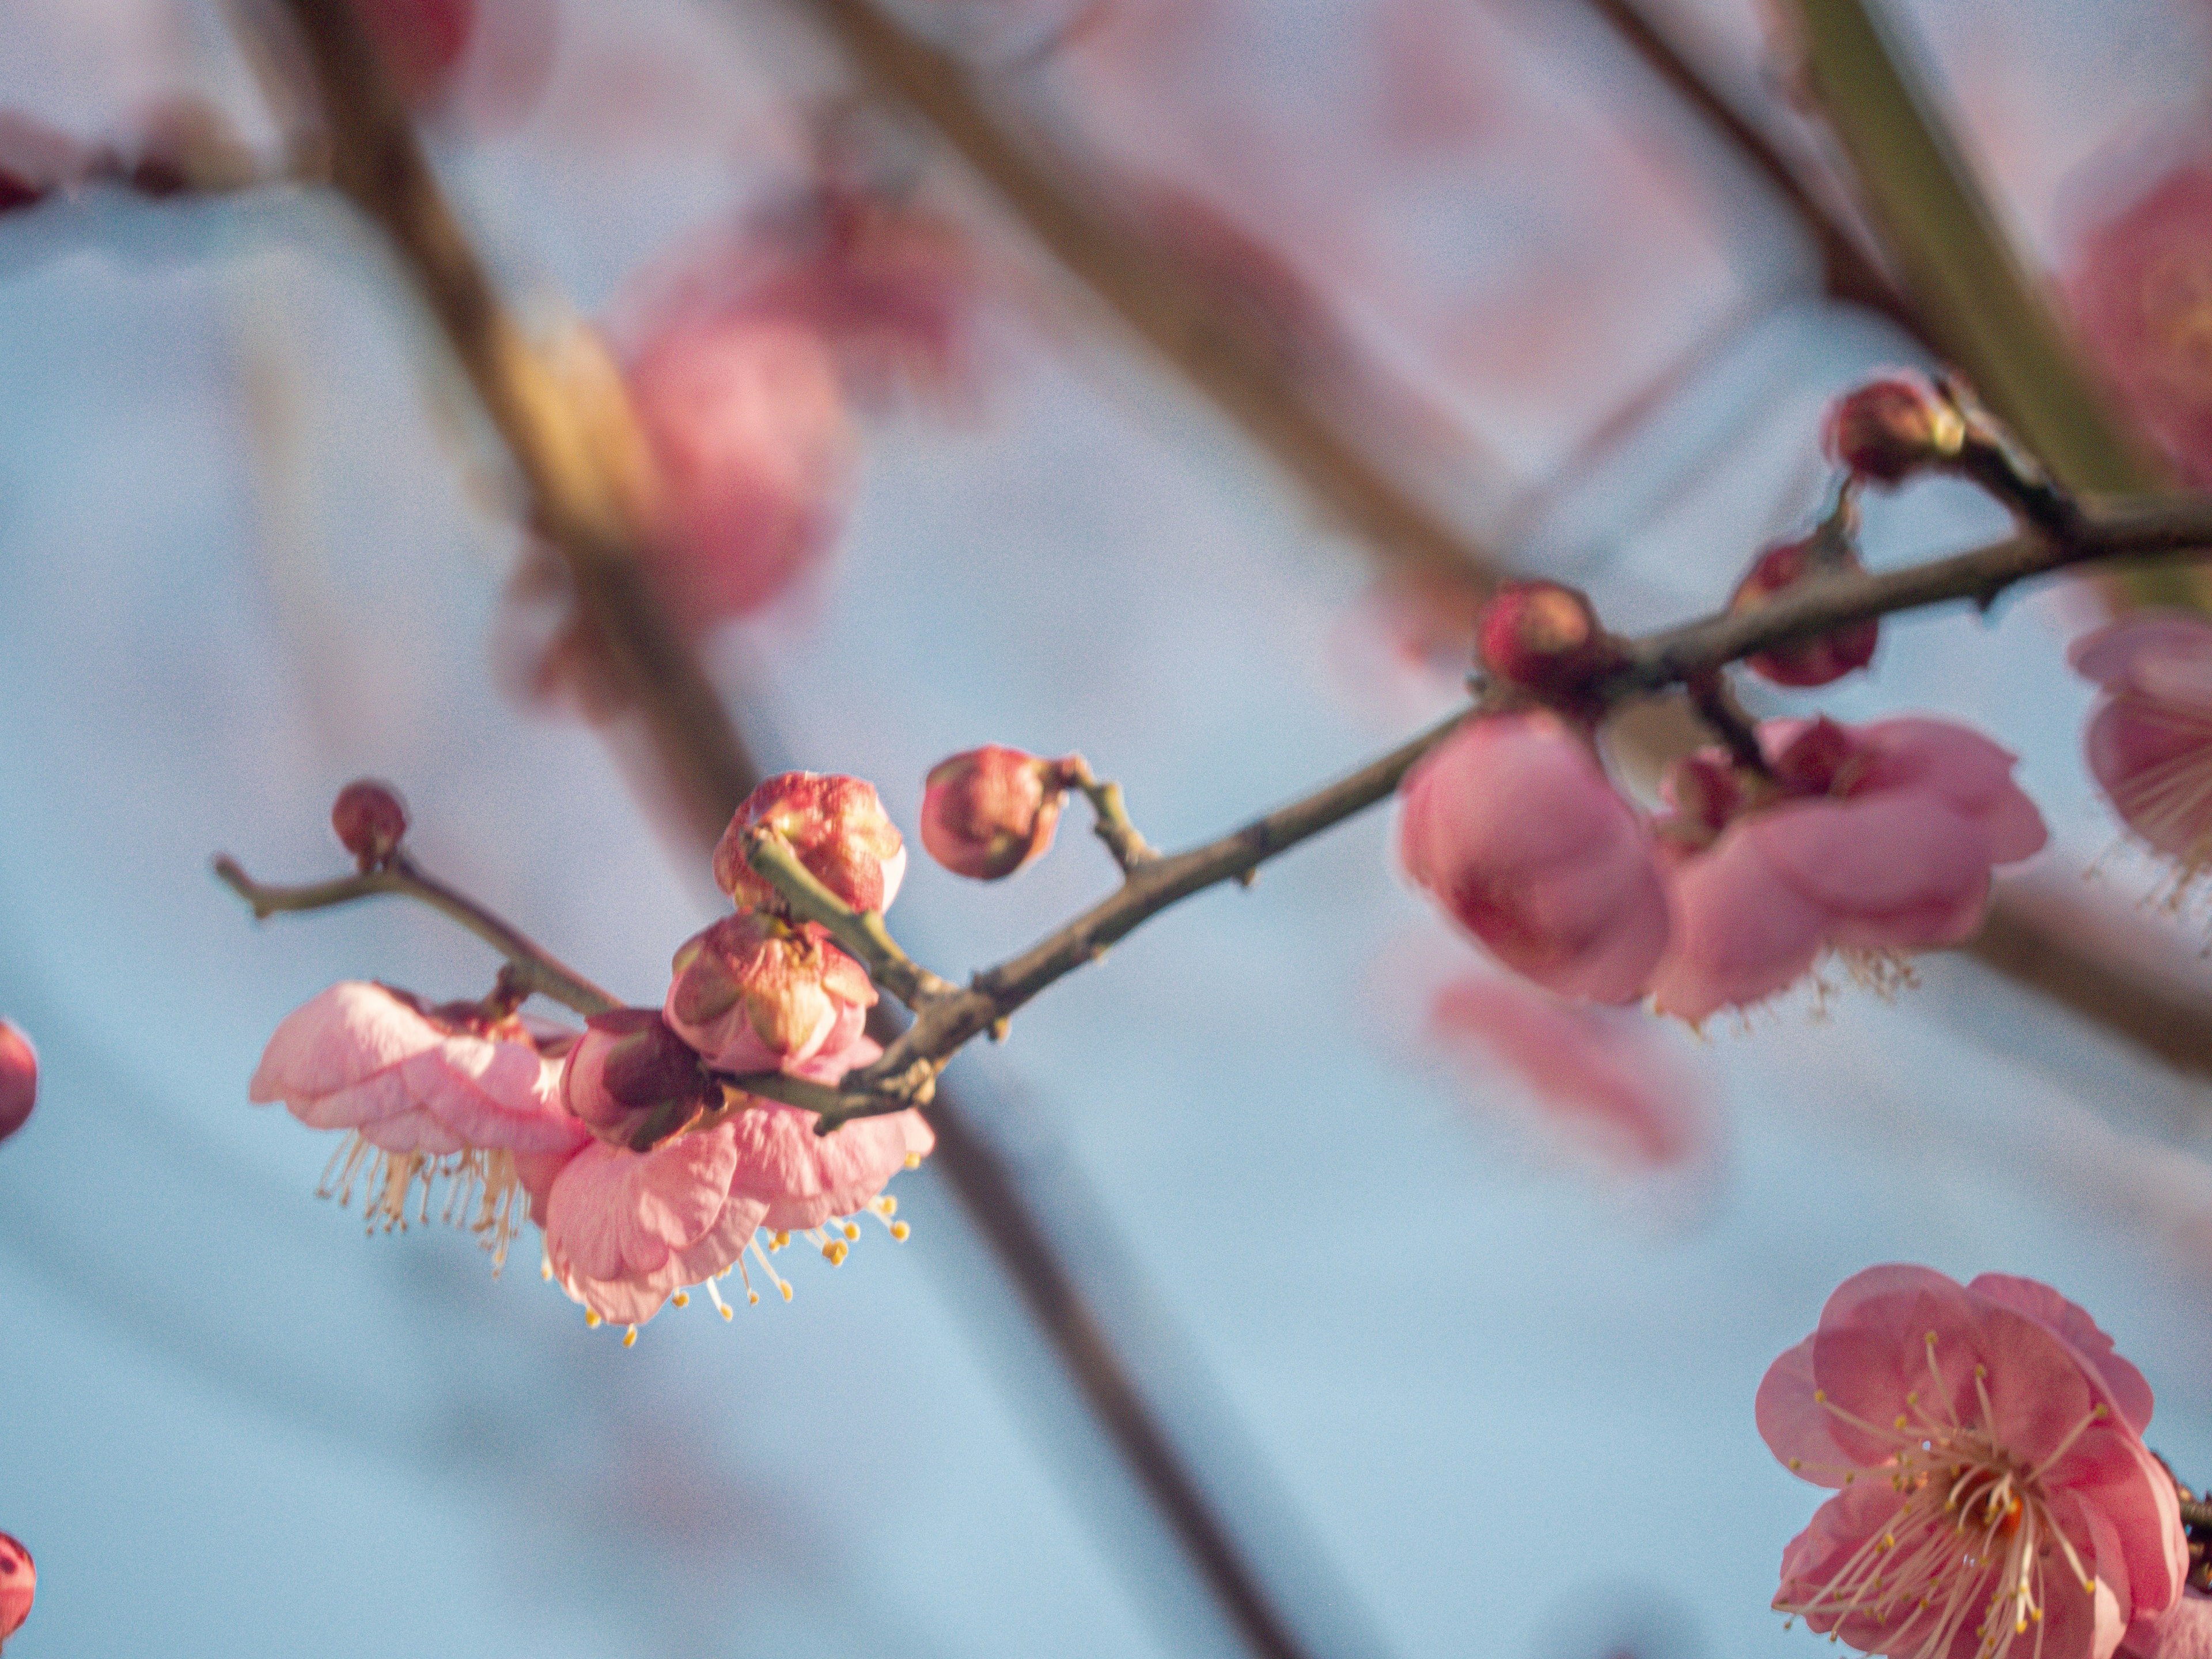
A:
[2140,289]
[1872,842]
[19,1079]
[2150,741]
[19,1586]
[420,41]
[837,826]
[987,813]
[427,1093]
[1511,826]
[754,994]
[1985,1445]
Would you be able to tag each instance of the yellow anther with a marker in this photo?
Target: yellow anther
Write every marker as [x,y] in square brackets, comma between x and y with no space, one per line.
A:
[1796,1463]
[546,1269]
[1851,1476]
[682,1298]
[785,1287]
[780,1241]
[1819,1396]
[914,1160]
[887,1206]
[630,1337]
[899,1231]
[852,1232]
[591,1319]
[1900,1420]
[834,1251]
[752,1300]
[1912,1399]
[1981,1372]
[2097,1411]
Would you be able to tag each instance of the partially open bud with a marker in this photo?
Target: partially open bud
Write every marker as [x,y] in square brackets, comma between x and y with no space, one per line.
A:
[1706,793]
[629,1071]
[989,812]
[1822,758]
[1890,428]
[834,823]
[754,994]
[19,1581]
[370,820]
[1542,637]
[19,1079]
[1815,661]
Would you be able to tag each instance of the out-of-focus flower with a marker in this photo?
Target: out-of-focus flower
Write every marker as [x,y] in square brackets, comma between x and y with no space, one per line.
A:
[1986,1444]
[988,811]
[626,1230]
[420,41]
[835,825]
[1541,636]
[1893,427]
[1511,826]
[2140,289]
[426,1093]
[18,1585]
[1815,661]
[174,146]
[752,451]
[805,1180]
[370,821]
[1602,1076]
[2150,741]
[2182,1631]
[1874,842]
[19,1079]
[755,994]
[629,1071]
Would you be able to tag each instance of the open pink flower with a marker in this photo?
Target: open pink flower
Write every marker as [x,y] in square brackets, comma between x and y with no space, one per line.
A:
[1513,829]
[806,1179]
[19,1586]
[1875,841]
[19,1079]
[626,1230]
[425,1094]
[1993,1489]
[834,825]
[754,994]
[2150,741]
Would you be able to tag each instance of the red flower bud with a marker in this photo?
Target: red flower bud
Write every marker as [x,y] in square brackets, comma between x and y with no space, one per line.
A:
[19,1079]
[1819,760]
[1814,661]
[629,1069]
[989,812]
[1890,428]
[370,821]
[19,1581]
[1542,637]
[834,825]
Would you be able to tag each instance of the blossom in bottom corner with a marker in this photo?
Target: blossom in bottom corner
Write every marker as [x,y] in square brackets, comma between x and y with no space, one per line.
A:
[19,1079]
[426,1094]
[18,1585]
[1992,1489]
[2150,741]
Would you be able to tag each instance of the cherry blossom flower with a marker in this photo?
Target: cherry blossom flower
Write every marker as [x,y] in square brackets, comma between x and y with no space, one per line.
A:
[1985,1446]
[2150,741]
[425,1093]
[1872,842]
[754,992]
[987,813]
[625,1231]
[19,1079]
[2140,289]
[19,1586]
[834,823]
[1512,828]
[630,1072]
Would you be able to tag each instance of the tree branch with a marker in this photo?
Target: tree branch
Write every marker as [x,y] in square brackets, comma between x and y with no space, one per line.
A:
[532,966]
[862,933]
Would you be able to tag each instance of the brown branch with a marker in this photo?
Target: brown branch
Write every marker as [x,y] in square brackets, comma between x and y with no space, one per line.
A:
[530,966]
[1234,360]
[1110,820]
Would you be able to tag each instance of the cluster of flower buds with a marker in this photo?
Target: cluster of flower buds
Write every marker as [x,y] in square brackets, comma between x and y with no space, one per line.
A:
[19,1079]
[632,1142]
[1873,842]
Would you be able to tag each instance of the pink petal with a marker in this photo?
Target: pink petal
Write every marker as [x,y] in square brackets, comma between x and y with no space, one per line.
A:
[1794,1425]
[1959,766]
[1740,934]
[2184,1631]
[2174,647]
[415,1130]
[616,1213]
[2131,1393]
[493,1094]
[1874,856]
[346,1033]
[2154,762]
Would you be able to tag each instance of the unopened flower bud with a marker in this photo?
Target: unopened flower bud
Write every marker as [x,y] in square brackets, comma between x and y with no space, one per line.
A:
[755,994]
[629,1069]
[18,1583]
[370,820]
[1542,637]
[19,1079]
[989,812]
[1830,656]
[1890,428]
[1818,759]
[834,825]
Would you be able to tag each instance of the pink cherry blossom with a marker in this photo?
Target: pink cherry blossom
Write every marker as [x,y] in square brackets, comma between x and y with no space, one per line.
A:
[753,452]
[753,993]
[1872,842]
[2182,1631]
[19,1586]
[2150,741]
[1512,828]
[834,825]
[19,1079]
[1985,1447]
[806,1179]
[626,1230]
[987,813]
[426,1094]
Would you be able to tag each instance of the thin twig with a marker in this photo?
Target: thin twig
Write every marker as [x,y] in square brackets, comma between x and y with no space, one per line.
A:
[1111,823]
[530,965]
[862,933]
